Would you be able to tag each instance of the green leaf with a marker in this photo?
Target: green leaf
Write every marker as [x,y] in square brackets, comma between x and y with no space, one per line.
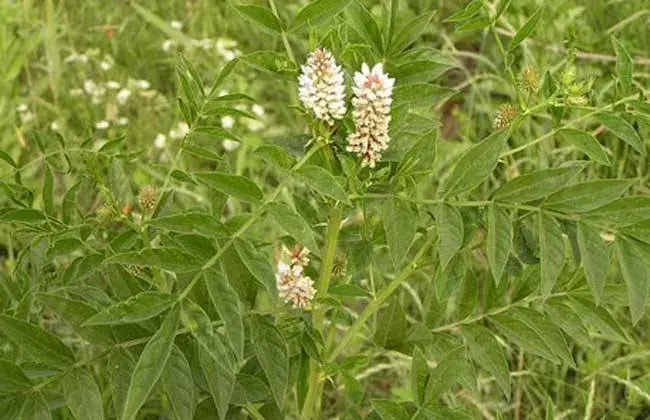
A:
[318,11]
[448,372]
[276,155]
[390,410]
[420,375]
[476,164]
[499,240]
[419,95]
[69,204]
[596,258]
[136,309]
[237,186]
[400,227]
[623,64]
[7,158]
[322,181]
[38,344]
[625,211]
[526,30]
[623,130]
[599,318]
[191,222]
[22,215]
[257,264]
[261,15]
[226,301]
[586,196]
[120,368]
[536,185]
[410,32]
[586,143]
[391,326]
[150,365]
[271,351]
[421,156]
[485,350]
[294,225]
[35,408]
[503,6]
[636,273]
[162,25]
[362,21]
[82,395]
[565,318]
[524,335]
[12,379]
[551,252]
[48,191]
[477,22]
[451,234]
[165,258]
[470,10]
[178,384]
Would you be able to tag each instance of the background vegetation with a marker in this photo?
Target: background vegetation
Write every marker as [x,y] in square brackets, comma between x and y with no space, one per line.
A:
[154,157]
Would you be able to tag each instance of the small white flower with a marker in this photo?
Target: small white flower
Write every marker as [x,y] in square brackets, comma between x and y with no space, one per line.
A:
[54,126]
[27,117]
[205,43]
[160,141]
[123,96]
[102,125]
[256,125]
[75,92]
[89,87]
[257,110]
[227,122]
[105,65]
[373,97]
[229,55]
[122,121]
[223,92]
[22,108]
[112,85]
[142,84]
[293,286]
[230,145]
[167,45]
[181,130]
[176,25]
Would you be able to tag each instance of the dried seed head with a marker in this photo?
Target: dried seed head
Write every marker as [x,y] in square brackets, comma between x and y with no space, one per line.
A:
[530,79]
[321,86]
[148,197]
[373,97]
[507,113]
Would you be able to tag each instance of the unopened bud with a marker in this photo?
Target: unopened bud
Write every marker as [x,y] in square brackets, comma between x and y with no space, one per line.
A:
[148,197]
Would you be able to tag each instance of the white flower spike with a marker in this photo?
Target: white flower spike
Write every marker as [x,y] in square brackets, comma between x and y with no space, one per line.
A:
[321,86]
[373,97]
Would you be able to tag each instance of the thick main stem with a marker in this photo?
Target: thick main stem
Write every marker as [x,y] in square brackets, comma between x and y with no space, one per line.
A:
[311,407]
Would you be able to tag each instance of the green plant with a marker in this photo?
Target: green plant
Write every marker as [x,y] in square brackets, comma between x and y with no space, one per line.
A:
[352,260]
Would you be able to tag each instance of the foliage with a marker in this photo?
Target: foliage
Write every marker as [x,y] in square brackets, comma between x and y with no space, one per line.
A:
[160,189]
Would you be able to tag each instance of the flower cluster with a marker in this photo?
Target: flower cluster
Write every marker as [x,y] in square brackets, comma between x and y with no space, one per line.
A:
[293,285]
[506,114]
[373,97]
[321,86]
[226,48]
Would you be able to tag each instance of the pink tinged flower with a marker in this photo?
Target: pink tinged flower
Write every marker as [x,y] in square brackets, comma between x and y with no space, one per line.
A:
[372,100]
[321,86]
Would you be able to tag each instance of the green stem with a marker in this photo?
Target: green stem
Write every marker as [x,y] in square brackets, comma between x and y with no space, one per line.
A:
[311,406]
[285,39]
[379,300]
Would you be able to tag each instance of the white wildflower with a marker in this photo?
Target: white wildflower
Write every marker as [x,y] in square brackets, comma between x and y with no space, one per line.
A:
[372,101]
[181,130]
[205,43]
[160,141]
[105,65]
[256,125]
[142,84]
[227,122]
[293,286]
[76,92]
[226,48]
[123,96]
[230,145]
[22,108]
[54,126]
[321,86]
[122,121]
[257,110]
[102,125]
[167,45]
[112,85]
[176,25]
[223,92]
[27,117]
[89,87]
